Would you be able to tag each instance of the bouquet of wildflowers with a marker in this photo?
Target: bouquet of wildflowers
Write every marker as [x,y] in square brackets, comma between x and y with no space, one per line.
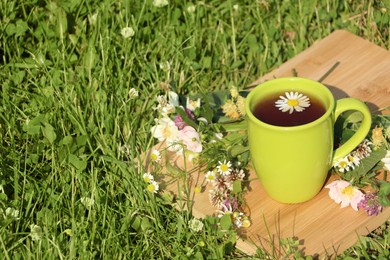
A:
[207,129]
[363,173]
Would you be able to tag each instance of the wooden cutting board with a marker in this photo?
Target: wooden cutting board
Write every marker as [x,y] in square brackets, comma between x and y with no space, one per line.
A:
[320,226]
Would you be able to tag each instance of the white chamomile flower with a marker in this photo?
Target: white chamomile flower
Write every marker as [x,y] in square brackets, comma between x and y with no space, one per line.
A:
[224,167]
[210,176]
[353,159]
[148,177]
[343,165]
[293,101]
[153,187]
[155,156]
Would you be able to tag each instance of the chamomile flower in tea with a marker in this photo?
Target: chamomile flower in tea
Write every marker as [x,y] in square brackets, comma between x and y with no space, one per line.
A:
[292,101]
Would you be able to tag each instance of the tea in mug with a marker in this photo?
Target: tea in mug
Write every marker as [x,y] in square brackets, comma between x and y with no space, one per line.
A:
[267,111]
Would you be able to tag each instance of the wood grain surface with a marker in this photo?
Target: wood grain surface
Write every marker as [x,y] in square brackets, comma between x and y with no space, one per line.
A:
[321,227]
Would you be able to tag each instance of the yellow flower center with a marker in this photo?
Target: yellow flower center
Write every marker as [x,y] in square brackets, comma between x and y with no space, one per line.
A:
[147,179]
[210,177]
[153,157]
[292,102]
[348,191]
[224,167]
[151,187]
[246,223]
[343,165]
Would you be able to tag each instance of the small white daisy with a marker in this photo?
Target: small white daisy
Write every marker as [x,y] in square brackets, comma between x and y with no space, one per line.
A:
[343,165]
[155,156]
[153,187]
[224,167]
[238,219]
[353,159]
[293,101]
[210,176]
[148,177]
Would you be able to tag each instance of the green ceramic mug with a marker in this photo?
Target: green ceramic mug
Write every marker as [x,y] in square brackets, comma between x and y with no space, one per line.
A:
[292,162]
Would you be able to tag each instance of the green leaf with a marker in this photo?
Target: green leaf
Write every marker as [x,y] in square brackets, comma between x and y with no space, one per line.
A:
[384,192]
[80,165]
[237,187]
[66,140]
[140,224]
[186,119]
[174,170]
[49,133]
[238,149]
[366,164]
[21,28]
[353,117]
[226,221]
[206,62]
[207,111]
[32,129]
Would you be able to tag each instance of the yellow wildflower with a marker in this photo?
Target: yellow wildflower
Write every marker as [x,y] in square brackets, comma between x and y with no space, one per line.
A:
[230,110]
[377,136]
[234,92]
[241,105]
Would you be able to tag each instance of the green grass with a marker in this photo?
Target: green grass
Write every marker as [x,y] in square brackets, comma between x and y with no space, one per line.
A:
[69,129]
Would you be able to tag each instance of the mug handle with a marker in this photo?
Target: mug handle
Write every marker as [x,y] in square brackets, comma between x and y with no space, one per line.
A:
[346,104]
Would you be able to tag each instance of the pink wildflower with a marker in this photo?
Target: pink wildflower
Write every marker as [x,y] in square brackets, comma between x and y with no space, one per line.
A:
[191,139]
[343,192]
